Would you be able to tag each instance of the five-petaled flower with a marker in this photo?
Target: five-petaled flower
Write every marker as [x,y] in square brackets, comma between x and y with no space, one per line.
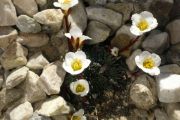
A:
[76,37]
[75,62]
[79,115]
[148,62]
[142,23]
[65,4]
[80,87]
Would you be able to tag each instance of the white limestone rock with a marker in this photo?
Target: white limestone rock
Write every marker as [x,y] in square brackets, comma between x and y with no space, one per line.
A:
[53,106]
[168,86]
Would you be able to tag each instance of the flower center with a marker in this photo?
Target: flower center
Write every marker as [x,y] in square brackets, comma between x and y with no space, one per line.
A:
[143,25]
[67,1]
[148,63]
[76,64]
[76,118]
[80,88]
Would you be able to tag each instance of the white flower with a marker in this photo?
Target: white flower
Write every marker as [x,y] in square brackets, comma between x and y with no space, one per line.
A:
[75,62]
[80,87]
[115,51]
[76,35]
[79,115]
[148,62]
[143,22]
[65,4]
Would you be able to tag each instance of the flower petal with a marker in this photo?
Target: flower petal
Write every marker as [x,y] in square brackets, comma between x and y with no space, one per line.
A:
[157,59]
[146,14]
[135,31]
[56,4]
[68,35]
[76,32]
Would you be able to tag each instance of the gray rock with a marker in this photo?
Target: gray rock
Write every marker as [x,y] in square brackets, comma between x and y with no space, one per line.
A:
[173,29]
[32,91]
[60,42]
[33,40]
[27,7]
[173,55]
[130,61]
[173,111]
[99,32]
[124,8]
[96,2]
[78,20]
[14,56]
[161,10]
[27,24]
[171,68]
[156,42]
[16,77]
[9,96]
[55,105]
[52,78]
[38,117]
[52,18]
[7,35]
[60,117]
[8,13]
[105,16]
[143,92]
[37,61]
[41,2]
[22,112]
[160,114]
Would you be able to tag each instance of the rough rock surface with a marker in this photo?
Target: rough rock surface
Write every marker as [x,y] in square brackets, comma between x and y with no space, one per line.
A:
[14,56]
[8,13]
[52,78]
[53,106]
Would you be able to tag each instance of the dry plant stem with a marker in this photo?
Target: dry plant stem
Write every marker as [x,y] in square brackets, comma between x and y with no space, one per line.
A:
[129,45]
[67,25]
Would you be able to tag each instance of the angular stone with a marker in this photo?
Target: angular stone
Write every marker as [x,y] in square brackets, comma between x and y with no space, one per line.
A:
[55,105]
[52,18]
[7,35]
[27,24]
[33,92]
[143,92]
[173,111]
[156,42]
[33,40]
[37,61]
[60,42]
[22,112]
[130,61]
[171,68]
[41,2]
[105,16]
[27,7]
[8,13]
[168,86]
[125,8]
[9,96]
[99,32]
[60,117]
[173,29]
[14,56]
[38,117]
[78,20]
[52,78]
[16,77]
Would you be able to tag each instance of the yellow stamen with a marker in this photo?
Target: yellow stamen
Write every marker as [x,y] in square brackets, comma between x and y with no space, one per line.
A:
[148,63]
[76,118]
[76,65]
[143,25]
[67,1]
[80,88]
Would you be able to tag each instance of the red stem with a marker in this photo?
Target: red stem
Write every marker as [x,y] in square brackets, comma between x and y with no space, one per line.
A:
[130,44]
